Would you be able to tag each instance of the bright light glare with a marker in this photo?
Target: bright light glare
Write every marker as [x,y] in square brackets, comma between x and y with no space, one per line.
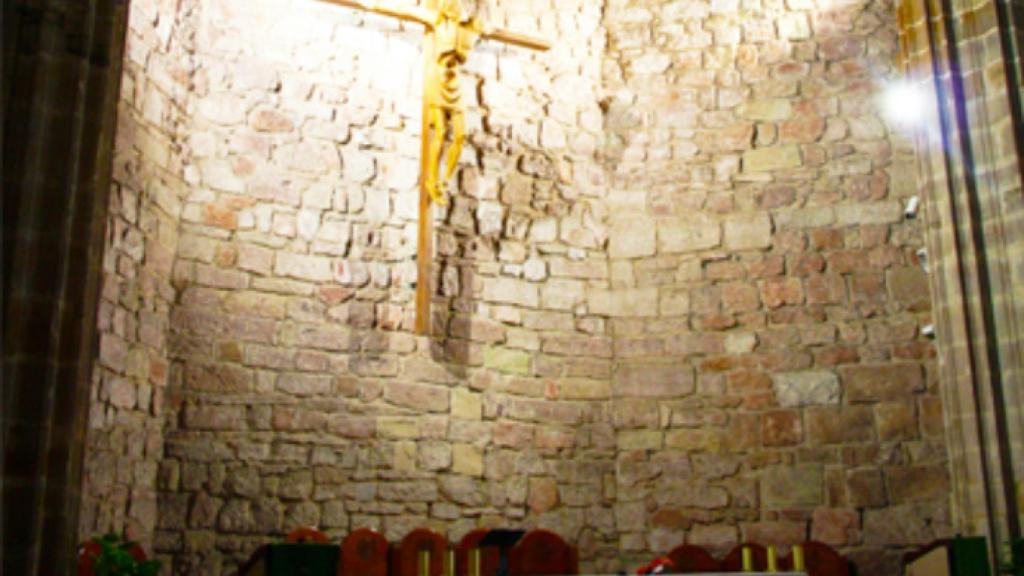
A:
[903,105]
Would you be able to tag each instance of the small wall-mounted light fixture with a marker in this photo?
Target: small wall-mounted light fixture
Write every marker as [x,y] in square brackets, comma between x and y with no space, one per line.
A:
[922,257]
[928,330]
[913,205]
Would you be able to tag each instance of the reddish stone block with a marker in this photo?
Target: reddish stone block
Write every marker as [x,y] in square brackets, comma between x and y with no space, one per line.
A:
[781,428]
[739,297]
[866,488]
[835,526]
[781,292]
[770,267]
[881,382]
[836,355]
[802,129]
[825,289]
[839,424]
[896,421]
[826,239]
[806,264]
[220,217]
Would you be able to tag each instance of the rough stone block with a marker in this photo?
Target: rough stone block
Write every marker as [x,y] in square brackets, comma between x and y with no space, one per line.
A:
[917,483]
[797,486]
[653,381]
[511,291]
[691,233]
[881,382]
[632,238]
[810,388]
[775,533]
[767,110]
[866,488]
[543,495]
[773,158]
[468,459]
[507,360]
[839,424]
[302,267]
[748,231]
[299,384]
[623,302]
[215,417]
[781,428]
[417,396]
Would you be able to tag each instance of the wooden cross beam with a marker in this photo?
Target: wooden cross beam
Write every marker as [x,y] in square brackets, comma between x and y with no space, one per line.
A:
[447,41]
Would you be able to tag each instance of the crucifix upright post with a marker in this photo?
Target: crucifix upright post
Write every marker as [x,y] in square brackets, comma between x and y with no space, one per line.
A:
[447,41]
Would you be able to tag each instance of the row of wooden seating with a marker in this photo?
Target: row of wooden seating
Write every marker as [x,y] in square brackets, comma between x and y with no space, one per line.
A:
[366,552]
[819,560]
[542,552]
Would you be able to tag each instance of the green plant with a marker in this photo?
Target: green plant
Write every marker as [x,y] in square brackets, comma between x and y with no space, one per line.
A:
[115,558]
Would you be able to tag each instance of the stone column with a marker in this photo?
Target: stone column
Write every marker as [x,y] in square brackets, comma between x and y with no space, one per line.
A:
[961,54]
[62,62]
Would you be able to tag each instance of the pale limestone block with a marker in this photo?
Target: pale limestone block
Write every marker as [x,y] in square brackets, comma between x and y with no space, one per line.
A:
[748,231]
[691,233]
[623,302]
[510,291]
[632,238]
[772,158]
[767,110]
[218,175]
[809,388]
[809,217]
[888,212]
[302,267]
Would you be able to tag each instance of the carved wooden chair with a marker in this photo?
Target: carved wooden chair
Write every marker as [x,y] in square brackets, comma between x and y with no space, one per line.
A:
[405,557]
[822,560]
[733,561]
[364,552]
[687,559]
[543,552]
[489,557]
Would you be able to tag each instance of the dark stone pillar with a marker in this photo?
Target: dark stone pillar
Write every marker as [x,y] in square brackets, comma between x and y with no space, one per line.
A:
[62,63]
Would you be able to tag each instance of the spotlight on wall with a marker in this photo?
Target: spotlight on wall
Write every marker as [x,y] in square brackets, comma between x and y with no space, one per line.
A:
[903,105]
[928,331]
[913,205]
[922,257]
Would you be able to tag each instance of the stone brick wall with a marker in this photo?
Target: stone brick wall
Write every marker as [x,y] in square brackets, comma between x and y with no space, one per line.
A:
[125,443]
[299,395]
[771,382]
[676,298]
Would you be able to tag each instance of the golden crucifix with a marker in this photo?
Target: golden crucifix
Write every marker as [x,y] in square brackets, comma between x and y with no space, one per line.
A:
[449,36]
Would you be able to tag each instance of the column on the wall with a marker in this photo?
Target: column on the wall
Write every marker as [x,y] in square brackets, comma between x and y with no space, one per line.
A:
[61,72]
[969,174]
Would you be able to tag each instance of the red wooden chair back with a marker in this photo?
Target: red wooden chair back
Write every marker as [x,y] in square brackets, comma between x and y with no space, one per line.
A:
[542,552]
[364,552]
[489,557]
[405,557]
[306,535]
[733,561]
[687,559]
[821,560]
